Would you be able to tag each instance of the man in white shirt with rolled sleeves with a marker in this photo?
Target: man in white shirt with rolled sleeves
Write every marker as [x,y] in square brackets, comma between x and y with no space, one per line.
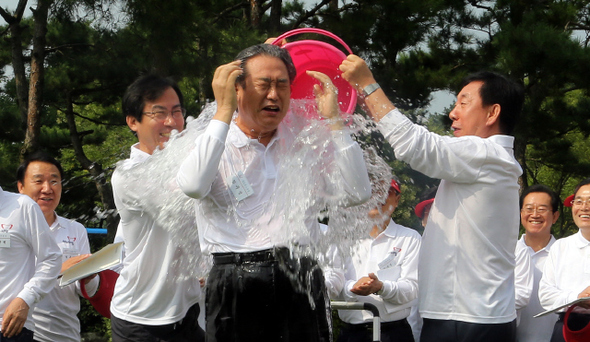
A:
[30,262]
[467,258]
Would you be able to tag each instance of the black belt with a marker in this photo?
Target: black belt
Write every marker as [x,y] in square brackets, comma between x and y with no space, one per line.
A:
[240,258]
[369,326]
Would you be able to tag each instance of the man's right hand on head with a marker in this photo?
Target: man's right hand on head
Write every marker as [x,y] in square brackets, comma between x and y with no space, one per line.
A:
[224,89]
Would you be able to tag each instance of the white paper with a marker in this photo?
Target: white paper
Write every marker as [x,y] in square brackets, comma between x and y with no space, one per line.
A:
[109,256]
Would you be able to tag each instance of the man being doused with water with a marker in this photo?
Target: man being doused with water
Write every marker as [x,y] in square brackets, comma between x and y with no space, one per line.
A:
[258,289]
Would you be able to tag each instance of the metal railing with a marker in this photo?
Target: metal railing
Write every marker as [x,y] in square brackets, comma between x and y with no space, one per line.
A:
[336,305]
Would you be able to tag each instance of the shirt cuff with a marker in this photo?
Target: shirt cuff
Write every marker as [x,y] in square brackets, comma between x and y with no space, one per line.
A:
[26,295]
[92,286]
[387,289]
[392,120]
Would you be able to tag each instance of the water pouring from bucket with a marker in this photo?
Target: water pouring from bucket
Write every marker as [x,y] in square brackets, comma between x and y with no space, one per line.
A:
[319,56]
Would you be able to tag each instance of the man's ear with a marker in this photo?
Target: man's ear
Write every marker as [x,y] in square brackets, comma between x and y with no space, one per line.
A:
[20,186]
[132,122]
[493,116]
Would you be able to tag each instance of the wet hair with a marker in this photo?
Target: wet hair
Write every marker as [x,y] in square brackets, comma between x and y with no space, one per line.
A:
[498,89]
[146,88]
[38,156]
[264,50]
[581,184]
[555,201]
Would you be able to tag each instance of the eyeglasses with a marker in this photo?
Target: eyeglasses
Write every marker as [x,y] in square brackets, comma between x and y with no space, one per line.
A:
[578,202]
[539,210]
[159,114]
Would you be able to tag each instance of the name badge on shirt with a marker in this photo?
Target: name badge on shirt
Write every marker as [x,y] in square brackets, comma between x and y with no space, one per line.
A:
[4,239]
[387,262]
[69,252]
[240,187]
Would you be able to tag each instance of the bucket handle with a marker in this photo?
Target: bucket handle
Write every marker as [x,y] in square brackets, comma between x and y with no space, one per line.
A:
[311,30]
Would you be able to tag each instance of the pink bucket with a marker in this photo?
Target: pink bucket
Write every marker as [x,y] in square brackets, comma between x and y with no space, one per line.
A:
[318,56]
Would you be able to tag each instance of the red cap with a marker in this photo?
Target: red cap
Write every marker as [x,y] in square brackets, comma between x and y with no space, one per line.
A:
[568,201]
[395,185]
[419,210]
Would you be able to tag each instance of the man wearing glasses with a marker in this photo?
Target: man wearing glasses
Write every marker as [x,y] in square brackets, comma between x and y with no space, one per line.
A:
[566,274]
[151,302]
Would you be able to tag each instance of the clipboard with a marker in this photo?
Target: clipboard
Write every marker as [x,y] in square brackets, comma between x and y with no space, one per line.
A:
[561,307]
[109,256]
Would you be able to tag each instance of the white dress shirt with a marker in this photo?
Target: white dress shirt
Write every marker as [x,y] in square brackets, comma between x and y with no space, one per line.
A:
[566,273]
[30,260]
[150,289]
[467,256]
[56,315]
[535,329]
[224,155]
[393,257]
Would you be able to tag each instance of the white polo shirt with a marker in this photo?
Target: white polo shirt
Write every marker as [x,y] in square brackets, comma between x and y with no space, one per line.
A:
[151,288]
[30,261]
[467,255]
[566,273]
[532,329]
[56,315]
[393,257]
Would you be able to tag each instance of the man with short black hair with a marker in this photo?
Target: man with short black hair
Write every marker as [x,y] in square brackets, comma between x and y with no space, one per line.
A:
[40,177]
[539,210]
[466,267]
[152,301]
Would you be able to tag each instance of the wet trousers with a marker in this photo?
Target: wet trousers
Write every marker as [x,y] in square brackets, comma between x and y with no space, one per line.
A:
[266,296]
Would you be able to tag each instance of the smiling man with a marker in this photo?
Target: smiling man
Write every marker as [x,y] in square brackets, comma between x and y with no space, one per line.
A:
[566,275]
[234,173]
[539,210]
[40,177]
[467,257]
[149,303]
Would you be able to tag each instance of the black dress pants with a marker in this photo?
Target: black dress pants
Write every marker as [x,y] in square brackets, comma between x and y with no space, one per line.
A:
[266,296]
[435,330]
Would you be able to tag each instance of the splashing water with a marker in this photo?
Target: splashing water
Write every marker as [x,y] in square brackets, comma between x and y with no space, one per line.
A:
[308,188]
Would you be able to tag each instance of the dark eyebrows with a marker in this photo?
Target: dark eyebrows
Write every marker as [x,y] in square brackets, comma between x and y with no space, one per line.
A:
[163,107]
[268,80]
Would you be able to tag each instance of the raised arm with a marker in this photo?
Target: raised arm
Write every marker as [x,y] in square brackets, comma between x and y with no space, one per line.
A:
[199,169]
[357,73]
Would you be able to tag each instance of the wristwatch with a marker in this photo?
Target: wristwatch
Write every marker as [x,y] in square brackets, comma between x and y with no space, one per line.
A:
[370,89]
